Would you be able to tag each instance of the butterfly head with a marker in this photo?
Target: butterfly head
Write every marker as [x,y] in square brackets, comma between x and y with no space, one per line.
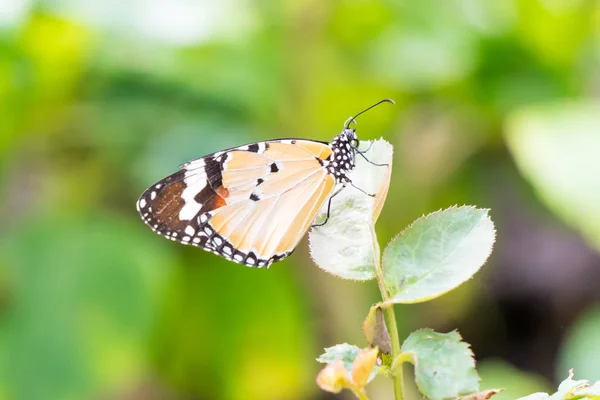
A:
[345,146]
[351,137]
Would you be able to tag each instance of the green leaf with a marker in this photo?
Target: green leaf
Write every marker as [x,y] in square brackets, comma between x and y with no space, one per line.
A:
[444,365]
[570,389]
[343,246]
[437,253]
[345,352]
[589,392]
[556,148]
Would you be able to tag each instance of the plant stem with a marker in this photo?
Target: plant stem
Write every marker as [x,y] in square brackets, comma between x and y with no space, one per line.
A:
[402,358]
[397,373]
[360,394]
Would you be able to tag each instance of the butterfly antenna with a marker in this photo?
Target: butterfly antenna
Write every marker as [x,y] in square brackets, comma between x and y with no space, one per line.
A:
[352,119]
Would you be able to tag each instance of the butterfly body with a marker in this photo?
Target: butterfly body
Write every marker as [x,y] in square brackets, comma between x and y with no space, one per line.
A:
[250,204]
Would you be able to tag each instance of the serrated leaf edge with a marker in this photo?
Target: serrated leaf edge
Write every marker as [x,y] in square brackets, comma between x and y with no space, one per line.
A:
[460,339]
[422,217]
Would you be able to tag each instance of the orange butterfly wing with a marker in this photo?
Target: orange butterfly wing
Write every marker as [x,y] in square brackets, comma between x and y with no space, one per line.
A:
[251,204]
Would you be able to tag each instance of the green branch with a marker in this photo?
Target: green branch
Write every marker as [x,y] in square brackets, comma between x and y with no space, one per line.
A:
[397,373]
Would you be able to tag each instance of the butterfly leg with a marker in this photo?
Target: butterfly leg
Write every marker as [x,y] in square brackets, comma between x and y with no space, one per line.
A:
[365,157]
[329,206]
[364,151]
[356,187]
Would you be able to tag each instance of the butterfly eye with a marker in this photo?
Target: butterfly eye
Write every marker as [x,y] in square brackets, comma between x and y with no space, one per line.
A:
[351,135]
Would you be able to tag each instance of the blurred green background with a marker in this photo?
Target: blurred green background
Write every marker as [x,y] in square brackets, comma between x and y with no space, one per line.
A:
[497,106]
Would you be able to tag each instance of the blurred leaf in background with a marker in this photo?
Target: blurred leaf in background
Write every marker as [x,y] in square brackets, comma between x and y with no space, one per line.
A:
[83,297]
[581,348]
[516,383]
[556,146]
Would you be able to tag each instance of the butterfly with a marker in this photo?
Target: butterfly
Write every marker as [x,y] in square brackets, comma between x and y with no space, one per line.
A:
[253,203]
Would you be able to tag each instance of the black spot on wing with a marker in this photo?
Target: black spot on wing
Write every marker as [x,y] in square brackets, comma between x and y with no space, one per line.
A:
[274,167]
[253,147]
[254,197]
[259,181]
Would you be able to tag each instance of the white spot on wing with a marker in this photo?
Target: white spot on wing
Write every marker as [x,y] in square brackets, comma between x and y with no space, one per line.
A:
[142,203]
[190,230]
[191,207]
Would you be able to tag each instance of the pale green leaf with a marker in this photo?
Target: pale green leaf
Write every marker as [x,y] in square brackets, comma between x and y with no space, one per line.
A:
[570,389]
[444,365]
[591,392]
[567,387]
[345,352]
[343,246]
[556,147]
[437,253]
